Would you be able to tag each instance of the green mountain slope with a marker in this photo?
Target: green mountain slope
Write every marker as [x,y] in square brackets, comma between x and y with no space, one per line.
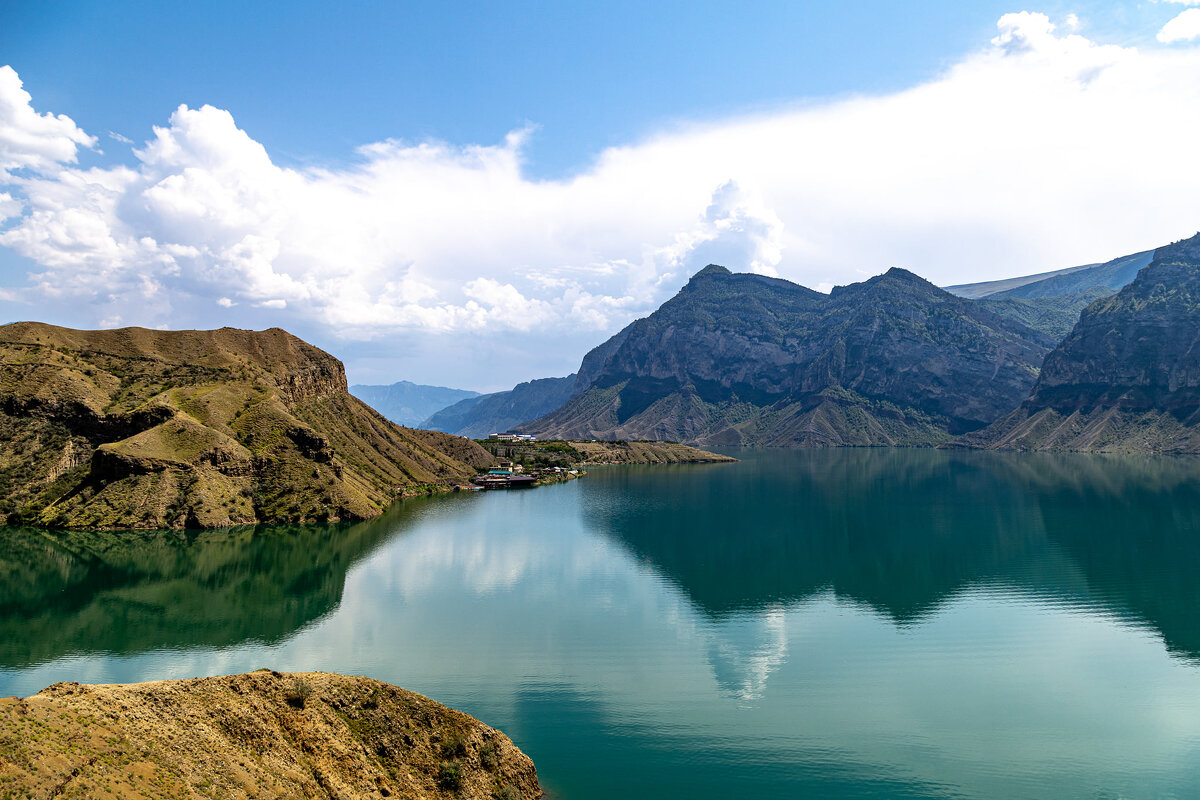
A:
[1053,316]
[740,358]
[134,428]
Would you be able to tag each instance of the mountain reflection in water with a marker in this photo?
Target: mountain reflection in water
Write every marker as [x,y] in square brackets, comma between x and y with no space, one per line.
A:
[125,592]
[902,530]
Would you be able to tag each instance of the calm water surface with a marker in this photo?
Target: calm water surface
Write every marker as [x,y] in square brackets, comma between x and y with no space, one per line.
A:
[842,623]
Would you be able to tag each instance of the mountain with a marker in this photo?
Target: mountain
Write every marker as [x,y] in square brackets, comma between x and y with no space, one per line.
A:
[1052,301]
[1053,316]
[1111,275]
[133,428]
[747,359]
[1127,378]
[263,734]
[407,403]
[498,412]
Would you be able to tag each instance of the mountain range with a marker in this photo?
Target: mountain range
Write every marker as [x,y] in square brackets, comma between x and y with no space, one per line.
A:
[476,417]
[1052,302]
[746,359]
[1048,303]
[169,429]
[407,403]
[1127,378]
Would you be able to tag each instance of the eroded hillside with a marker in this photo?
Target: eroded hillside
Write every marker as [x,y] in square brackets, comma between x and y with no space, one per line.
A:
[133,428]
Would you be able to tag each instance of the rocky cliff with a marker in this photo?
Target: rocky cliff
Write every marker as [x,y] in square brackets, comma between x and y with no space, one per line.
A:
[747,359]
[134,428]
[1127,378]
[262,734]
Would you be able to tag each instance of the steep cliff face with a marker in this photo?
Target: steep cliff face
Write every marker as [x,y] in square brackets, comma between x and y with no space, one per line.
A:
[1128,375]
[133,428]
[738,358]
[262,734]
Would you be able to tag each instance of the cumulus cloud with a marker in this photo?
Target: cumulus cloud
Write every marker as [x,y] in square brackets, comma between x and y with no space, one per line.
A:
[29,139]
[1040,150]
[1183,28]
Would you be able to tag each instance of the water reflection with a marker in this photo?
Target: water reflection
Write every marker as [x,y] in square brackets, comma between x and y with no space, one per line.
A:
[833,623]
[902,530]
[67,592]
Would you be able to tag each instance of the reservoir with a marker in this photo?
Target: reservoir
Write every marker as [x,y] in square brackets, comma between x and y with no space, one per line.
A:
[854,623]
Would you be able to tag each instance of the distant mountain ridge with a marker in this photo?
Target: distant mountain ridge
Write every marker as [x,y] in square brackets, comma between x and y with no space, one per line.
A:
[407,403]
[476,417]
[748,359]
[1052,301]
[1127,378]
[1112,275]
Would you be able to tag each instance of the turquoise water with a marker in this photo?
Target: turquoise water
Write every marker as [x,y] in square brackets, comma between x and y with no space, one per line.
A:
[841,623]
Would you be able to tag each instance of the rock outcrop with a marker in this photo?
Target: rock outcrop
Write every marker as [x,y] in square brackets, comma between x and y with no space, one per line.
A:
[1127,378]
[133,428]
[746,359]
[263,735]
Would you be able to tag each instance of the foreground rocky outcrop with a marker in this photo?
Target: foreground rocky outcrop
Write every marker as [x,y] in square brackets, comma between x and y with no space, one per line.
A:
[1127,378]
[133,428]
[745,359]
[259,735]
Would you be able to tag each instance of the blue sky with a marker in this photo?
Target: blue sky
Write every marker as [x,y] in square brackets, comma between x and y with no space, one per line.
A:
[316,82]
[475,194]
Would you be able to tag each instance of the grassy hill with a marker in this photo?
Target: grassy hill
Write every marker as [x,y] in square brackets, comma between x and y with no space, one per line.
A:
[133,428]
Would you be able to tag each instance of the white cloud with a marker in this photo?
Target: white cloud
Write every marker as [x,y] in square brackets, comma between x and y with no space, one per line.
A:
[1183,28]
[9,206]
[29,139]
[1041,150]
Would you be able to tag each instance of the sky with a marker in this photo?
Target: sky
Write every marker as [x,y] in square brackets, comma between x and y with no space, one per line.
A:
[472,195]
